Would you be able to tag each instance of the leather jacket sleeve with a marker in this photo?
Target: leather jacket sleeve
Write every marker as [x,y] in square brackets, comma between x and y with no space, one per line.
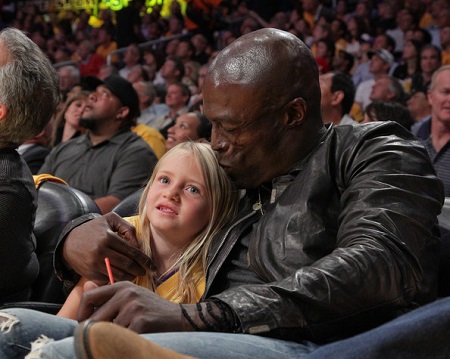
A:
[351,243]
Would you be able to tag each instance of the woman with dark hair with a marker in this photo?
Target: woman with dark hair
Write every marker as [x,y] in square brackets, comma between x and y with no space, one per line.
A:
[410,60]
[430,61]
[388,111]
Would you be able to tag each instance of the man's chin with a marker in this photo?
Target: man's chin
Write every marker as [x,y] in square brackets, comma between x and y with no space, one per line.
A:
[88,123]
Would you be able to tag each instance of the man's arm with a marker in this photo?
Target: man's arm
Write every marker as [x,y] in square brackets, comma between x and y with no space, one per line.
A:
[86,242]
[107,203]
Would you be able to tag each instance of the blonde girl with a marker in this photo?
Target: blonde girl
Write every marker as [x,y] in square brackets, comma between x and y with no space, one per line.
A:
[185,203]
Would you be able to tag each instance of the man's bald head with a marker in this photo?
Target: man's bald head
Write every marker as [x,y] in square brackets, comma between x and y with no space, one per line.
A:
[274,61]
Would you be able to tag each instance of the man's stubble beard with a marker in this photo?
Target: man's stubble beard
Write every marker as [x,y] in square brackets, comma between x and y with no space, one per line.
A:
[88,123]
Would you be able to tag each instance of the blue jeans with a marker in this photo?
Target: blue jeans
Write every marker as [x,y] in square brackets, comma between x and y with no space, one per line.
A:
[421,334]
[30,325]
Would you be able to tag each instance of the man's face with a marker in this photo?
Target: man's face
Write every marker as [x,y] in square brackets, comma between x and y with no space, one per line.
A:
[429,61]
[131,55]
[380,90]
[379,43]
[445,36]
[245,132]
[168,69]
[439,98]
[102,106]
[377,65]
[417,103]
[65,80]
[183,50]
[175,97]
[327,96]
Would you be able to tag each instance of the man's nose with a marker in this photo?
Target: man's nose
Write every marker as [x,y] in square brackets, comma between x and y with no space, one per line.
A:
[218,143]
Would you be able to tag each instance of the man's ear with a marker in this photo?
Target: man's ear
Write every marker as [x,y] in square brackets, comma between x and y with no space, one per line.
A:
[337,98]
[123,112]
[3,111]
[295,112]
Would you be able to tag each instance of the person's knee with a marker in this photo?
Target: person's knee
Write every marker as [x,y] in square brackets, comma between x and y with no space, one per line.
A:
[7,322]
[36,347]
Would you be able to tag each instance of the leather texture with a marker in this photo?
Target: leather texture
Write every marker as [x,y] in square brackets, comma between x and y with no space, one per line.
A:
[129,206]
[58,204]
[444,265]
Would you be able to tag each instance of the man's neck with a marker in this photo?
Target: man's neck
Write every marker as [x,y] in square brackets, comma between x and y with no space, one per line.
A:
[333,116]
[440,134]
[377,76]
[101,134]
[173,111]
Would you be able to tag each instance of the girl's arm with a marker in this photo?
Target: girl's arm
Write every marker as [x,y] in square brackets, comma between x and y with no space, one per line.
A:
[70,307]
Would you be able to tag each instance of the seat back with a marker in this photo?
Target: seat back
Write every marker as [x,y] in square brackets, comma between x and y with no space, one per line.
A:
[129,206]
[58,204]
[444,264]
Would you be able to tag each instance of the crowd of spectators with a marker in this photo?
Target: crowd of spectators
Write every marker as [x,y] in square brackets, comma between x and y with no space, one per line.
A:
[390,49]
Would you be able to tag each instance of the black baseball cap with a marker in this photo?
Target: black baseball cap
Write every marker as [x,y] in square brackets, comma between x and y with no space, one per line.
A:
[124,91]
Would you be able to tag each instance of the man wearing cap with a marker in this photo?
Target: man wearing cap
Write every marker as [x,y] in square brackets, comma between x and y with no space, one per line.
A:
[380,62]
[381,41]
[108,162]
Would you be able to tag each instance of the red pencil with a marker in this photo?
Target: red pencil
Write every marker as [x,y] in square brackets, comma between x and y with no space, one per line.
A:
[108,268]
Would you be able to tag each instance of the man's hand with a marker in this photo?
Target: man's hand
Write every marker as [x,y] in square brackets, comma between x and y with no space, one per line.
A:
[87,245]
[131,306]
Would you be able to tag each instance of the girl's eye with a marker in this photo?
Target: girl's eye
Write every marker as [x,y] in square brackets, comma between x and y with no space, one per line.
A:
[164,180]
[193,190]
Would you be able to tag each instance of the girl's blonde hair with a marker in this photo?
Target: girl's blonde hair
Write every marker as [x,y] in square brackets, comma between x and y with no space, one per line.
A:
[224,198]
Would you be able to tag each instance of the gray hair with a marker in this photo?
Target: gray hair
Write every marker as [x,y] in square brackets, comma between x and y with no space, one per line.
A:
[73,72]
[29,88]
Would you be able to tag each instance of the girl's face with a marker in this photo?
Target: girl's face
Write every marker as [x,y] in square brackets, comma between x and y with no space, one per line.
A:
[178,206]
[74,112]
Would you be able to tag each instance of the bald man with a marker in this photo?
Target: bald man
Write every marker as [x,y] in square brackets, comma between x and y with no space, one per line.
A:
[335,233]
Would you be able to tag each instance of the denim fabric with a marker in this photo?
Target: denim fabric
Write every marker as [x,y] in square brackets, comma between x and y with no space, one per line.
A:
[15,341]
[32,324]
[421,334]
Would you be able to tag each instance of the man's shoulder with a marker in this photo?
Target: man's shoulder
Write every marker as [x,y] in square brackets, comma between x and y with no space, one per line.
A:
[127,138]
[422,129]
[130,142]
[70,144]
[364,132]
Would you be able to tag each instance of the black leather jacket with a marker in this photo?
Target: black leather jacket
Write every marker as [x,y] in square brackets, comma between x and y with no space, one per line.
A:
[350,240]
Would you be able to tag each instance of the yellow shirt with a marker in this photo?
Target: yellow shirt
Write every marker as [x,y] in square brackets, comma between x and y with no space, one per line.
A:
[153,137]
[167,288]
[445,57]
[104,52]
